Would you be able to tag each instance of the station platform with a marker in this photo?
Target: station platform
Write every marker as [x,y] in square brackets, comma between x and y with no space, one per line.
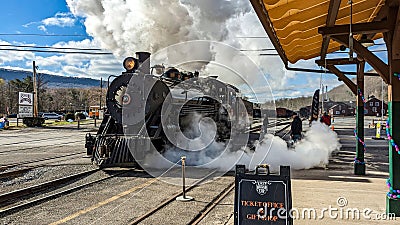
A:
[336,186]
[329,194]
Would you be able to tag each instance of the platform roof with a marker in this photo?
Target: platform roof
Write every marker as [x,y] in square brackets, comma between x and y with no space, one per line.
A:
[292,25]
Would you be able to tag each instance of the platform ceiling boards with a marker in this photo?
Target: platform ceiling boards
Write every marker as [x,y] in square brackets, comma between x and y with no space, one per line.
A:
[292,25]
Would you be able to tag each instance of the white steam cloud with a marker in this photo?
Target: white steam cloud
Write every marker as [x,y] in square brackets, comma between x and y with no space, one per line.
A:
[312,151]
[127,26]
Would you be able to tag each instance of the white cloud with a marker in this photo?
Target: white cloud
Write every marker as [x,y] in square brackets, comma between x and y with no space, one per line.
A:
[42,28]
[60,19]
[13,56]
[77,65]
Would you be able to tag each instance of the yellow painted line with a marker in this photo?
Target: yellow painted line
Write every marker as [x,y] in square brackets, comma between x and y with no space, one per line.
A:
[93,207]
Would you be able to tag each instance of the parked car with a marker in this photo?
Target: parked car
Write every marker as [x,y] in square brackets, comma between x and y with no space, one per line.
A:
[50,116]
[12,116]
[81,115]
[83,112]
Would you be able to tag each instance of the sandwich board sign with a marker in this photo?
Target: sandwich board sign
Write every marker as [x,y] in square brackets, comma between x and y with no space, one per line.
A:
[261,198]
[25,102]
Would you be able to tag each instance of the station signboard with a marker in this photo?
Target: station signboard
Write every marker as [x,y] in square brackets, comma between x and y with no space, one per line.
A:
[25,102]
[262,198]
[25,98]
[25,111]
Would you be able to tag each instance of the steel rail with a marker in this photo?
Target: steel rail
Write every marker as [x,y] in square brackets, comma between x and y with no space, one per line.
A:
[28,204]
[40,187]
[33,147]
[166,202]
[4,167]
[211,205]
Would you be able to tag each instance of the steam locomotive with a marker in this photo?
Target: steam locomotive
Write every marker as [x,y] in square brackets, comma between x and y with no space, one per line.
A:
[145,104]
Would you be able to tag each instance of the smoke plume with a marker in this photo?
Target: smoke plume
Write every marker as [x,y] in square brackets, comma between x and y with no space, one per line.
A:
[312,151]
[126,26]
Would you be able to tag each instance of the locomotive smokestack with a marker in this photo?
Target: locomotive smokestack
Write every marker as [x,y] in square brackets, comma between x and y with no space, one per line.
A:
[144,61]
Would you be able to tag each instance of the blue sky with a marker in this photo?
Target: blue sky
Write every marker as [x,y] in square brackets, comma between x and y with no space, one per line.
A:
[57,27]
[55,17]
[27,16]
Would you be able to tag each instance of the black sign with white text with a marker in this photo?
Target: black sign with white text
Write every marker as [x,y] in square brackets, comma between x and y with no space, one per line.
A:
[262,198]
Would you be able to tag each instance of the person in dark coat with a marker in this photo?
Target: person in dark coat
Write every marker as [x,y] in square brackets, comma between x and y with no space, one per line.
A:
[296,128]
[264,129]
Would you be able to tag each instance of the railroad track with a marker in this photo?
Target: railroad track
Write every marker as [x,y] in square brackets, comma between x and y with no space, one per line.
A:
[18,194]
[6,197]
[30,141]
[278,123]
[287,125]
[167,201]
[4,167]
[258,127]
[211,205]
[19,172]
[43,146]
[16,173]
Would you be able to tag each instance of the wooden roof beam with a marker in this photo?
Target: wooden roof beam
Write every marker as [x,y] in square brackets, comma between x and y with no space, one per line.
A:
[396,36]
[344,78]
[337,61]
[262,14]
[333,10]
[358,28]
[382,14]
[381,68]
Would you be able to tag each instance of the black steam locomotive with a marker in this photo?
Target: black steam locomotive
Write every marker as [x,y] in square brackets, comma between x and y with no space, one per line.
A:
[146,103]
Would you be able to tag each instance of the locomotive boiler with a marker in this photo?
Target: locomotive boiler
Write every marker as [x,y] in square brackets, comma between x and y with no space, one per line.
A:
[145,105]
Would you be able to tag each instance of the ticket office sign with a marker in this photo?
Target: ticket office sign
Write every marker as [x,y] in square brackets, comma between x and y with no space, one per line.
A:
[263,199]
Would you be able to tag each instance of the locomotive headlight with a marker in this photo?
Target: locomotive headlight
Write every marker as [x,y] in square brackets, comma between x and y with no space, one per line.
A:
[130,64]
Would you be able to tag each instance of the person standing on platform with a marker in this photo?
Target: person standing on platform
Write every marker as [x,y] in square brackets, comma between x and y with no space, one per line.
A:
[264,126]
[326,119]
[296,128]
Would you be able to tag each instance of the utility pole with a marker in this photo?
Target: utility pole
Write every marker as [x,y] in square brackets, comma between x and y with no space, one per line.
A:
[326,93]
[35,92]
[101,91]
[322,99]
[9,98]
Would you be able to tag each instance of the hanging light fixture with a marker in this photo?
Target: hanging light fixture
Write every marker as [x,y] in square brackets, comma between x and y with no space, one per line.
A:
[364,41]
[351,32]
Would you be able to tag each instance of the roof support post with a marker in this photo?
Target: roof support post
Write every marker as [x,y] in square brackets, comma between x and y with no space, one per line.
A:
[359,164]
[392,38]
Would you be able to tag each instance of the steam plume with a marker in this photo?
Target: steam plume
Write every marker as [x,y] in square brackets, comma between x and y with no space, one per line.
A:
[312,151]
